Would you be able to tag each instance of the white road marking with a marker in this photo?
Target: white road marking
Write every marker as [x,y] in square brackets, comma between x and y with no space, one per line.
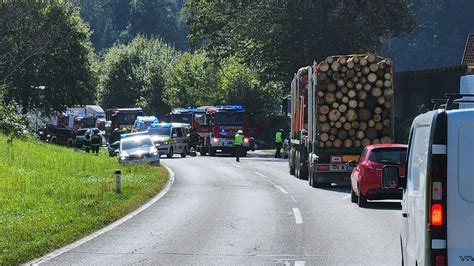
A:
[236,165]
[346,197]
[262,175]
[298,217]
[299,263]
[104,230]
[281,189]
[292,198]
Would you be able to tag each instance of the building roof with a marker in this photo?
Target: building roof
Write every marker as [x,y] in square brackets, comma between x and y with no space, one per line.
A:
[468,57]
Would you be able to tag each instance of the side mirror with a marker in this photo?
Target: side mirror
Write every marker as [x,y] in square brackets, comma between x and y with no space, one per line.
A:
[352,164]
[117,151]
[175,136]
[390,177]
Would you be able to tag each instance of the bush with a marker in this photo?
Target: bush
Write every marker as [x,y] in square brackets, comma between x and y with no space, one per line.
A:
[12,123]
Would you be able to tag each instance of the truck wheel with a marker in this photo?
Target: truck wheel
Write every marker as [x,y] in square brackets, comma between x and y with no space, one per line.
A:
[362,200]
[292,169]
[203,152]
[353,196]
[170,153]
[212,152]
[54,140]
[184,153]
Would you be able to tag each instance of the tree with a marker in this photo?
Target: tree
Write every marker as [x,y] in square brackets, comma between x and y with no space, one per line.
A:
[134,74]
[47,54]
[278,37]
[192,81]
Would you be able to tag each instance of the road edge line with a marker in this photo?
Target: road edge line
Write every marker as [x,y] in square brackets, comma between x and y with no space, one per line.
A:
[77,243]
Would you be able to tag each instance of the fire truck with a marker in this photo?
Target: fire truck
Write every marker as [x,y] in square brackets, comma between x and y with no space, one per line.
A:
[123,118]
[213,127]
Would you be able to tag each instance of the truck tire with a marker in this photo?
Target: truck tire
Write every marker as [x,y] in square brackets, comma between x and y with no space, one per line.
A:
[54,140]
[185,152]
[170,153]
[203,151]
[212,152]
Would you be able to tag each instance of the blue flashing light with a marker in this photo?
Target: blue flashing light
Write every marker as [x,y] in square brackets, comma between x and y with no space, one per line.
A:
[231,107]
[222,130]
[123,136]
[167,125]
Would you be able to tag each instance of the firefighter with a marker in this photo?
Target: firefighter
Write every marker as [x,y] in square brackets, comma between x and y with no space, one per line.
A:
[239,139]
[278,143]
[96,141]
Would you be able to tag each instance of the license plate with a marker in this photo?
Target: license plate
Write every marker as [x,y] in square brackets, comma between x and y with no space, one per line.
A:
[338,167]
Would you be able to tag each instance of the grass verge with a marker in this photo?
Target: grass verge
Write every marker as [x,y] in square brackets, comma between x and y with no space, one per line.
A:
[51,196]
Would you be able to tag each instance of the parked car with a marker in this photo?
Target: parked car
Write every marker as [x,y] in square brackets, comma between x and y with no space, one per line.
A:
[171,137]
[138,149]
[366,177]
[438,199]
[80,136]
[63,136]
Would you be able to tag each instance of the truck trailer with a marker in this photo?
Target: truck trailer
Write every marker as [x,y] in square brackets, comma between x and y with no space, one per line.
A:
[338,107]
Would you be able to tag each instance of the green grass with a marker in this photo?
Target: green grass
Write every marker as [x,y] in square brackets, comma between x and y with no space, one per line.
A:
[51,196]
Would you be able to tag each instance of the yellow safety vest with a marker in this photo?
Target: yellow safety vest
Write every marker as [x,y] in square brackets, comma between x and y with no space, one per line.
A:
[238,139]
[278,137]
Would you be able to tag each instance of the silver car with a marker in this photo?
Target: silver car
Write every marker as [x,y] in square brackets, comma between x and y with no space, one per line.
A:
[138,149]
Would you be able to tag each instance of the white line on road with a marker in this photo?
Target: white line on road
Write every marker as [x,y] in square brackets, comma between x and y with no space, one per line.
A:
[299,263]
[292,198]
[298,217]
[346,197]
[262,175]
[281,189]
[236,165]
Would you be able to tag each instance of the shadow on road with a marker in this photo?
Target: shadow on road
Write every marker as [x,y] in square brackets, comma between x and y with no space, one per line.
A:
[384,205]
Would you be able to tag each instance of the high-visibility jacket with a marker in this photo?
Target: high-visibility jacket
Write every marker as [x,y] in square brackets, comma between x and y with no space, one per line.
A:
[278,137]
[238,139]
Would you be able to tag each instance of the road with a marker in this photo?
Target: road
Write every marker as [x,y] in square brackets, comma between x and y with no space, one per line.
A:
[220,212]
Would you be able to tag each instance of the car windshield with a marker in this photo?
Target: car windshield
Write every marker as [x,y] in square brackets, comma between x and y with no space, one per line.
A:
[388,155]
[182,118]
[160,130]
[88,122]
[139,142]
[127,118]
[229,118]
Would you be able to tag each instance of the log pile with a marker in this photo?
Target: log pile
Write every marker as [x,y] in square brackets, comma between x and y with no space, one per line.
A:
[354,97]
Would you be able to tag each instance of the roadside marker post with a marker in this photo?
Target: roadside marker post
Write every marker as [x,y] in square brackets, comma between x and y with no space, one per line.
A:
[118,181]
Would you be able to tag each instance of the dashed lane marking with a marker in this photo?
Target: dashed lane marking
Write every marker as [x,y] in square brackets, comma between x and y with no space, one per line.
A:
[299,263]
[298,217]
[260,174]
[292,198]
[236,165]
[281,189]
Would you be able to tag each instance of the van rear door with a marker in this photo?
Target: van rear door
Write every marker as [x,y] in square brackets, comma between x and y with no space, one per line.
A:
[460,187]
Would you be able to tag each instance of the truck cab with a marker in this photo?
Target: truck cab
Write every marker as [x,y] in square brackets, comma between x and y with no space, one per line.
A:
[438,197]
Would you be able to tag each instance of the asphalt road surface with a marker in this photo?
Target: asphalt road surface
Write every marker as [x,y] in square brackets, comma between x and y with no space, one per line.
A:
[220,212]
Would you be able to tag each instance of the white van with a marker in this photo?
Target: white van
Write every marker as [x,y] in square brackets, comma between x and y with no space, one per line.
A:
[438,198]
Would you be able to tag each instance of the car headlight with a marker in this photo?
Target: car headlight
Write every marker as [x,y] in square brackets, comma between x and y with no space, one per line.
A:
[246,140]
[214,140]
[166,143]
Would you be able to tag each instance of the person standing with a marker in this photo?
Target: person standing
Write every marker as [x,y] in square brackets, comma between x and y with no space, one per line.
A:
[278,143]
[238,140]
[96,141]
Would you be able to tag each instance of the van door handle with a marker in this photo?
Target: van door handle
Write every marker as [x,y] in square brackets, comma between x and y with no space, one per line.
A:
[405,215]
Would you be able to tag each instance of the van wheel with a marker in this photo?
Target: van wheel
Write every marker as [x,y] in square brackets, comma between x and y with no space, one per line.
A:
[353,196]
[362,200]
[184,153]
[170,153]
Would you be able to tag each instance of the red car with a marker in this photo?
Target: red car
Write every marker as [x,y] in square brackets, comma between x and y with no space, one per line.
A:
[366,177]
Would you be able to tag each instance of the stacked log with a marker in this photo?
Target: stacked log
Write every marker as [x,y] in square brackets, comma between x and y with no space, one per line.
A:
[354,97]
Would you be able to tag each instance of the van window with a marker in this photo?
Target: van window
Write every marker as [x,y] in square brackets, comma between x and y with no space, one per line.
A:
[179,132]
[465,165]
[418,158]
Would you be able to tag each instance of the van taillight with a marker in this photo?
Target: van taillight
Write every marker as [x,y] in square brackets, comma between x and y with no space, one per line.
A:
[437,214]
[440,260]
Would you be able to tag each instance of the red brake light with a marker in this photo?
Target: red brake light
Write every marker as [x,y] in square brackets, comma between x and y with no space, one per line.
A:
[437,214]
[322,167]
[440,260]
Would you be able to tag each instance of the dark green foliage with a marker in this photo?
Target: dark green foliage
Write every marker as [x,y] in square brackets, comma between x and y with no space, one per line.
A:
[122,20]
[278,37]
[46,55]
[134,75]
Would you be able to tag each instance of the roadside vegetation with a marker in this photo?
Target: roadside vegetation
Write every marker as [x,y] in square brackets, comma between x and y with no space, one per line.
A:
[51,196]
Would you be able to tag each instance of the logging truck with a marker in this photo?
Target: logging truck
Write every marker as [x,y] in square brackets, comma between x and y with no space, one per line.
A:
[338,107]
